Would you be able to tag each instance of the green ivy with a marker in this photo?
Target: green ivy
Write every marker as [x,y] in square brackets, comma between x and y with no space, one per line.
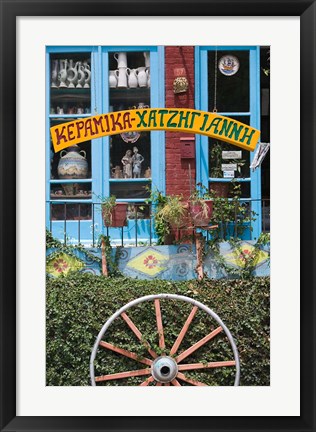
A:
[69,249]
[78,305]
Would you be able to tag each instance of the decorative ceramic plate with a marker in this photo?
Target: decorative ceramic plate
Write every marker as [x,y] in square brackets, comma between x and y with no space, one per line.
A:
[228,65]
[130,137]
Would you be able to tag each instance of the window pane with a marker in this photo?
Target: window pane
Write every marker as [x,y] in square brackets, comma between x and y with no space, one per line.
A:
[70,191]
[227,160]
[70,75]
[73,162]
[232,91]
[67,211]
[130,189]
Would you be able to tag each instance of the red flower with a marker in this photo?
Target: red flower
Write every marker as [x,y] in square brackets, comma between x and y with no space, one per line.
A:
[150,261]
[60,265]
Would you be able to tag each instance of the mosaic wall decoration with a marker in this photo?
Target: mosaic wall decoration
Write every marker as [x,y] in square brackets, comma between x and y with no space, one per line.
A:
[161,262]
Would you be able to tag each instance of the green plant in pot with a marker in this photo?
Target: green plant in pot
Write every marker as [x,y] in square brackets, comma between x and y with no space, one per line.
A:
[170,214]
[113,212]
[200,206]
[232,216]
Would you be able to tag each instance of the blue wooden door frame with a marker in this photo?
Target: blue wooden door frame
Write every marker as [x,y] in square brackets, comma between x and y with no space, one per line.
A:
[201,102]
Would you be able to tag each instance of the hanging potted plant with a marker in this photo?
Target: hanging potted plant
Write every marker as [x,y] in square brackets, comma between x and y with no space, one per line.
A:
[113,212]
[200,207]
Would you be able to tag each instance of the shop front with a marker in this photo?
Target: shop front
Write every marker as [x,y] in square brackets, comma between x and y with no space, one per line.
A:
[134,167]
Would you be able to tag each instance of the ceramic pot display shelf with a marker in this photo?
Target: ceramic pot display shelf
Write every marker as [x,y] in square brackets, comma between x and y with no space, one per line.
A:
[70,74]
[128,77]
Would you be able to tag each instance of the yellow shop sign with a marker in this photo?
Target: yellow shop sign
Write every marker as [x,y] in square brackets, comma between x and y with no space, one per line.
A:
[170,119]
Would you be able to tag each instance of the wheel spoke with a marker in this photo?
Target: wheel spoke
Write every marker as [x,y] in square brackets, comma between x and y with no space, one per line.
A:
[159,325]
[182,377]
[158,384]
[138,334]
[121,375]
[198,344]
[206,365]
[147,381]
[182,333]
[176,383]
[126,353]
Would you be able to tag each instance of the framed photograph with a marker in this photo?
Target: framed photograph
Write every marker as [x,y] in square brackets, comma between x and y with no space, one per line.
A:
[140,143]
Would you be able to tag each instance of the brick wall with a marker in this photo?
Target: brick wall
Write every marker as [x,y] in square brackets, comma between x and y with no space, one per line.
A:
[177,169]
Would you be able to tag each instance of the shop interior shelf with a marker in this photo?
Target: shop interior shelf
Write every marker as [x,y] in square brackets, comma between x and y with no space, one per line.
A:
[141,94]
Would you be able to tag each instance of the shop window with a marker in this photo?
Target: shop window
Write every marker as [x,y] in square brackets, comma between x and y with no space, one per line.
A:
[130,153]
[228,81]
[83,82]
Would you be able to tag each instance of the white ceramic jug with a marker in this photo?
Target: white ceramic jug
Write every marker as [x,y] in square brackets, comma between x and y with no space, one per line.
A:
[121,59]
[54,73]
[62,75]
[141,76]
[148,76]
[132,78]
[147,58]
[87,71]
[81,75]
[112,79]
[121,77]
[72,74]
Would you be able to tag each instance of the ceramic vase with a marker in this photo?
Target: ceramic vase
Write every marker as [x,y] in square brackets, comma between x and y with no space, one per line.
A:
[121,59]
[121,77]
[141,76]
[147,58]
[81,76]
[87,71]
[148,76]
[72,74]
[72,164]
[54,74]
[132,78]
[62,75]
[112,79]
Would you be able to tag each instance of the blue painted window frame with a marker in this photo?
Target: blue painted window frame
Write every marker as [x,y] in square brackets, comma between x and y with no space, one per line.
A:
[100,178]
[202,142]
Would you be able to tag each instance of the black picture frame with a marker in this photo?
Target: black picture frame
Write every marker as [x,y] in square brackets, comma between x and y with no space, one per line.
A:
[12,9]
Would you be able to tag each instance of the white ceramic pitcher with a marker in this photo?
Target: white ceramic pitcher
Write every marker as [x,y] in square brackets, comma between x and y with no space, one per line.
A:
[132,78]
[112,79]
[141,76]
[121,77]
[121,59]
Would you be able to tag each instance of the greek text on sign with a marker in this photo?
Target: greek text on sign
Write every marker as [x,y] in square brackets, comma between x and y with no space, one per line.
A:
[231,154]
[173,119]
[229,174]
[229,167]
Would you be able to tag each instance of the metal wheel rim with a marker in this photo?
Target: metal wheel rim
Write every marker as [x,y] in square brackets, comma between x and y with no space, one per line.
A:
[164,296]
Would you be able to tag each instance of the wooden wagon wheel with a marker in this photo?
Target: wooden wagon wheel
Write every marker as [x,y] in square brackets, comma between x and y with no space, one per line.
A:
[166,369]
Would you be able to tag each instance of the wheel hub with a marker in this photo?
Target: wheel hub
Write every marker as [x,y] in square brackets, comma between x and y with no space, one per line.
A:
[164,369]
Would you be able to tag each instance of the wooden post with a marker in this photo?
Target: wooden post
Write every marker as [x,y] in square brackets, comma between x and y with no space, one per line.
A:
[104,263]
[199,240]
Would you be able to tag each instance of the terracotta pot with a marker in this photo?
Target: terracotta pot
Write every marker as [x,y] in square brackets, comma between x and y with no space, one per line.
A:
[119,216]
[200,217]
[220,188]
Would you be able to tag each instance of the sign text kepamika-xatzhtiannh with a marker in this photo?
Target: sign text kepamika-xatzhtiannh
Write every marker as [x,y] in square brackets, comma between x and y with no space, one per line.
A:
[173,119]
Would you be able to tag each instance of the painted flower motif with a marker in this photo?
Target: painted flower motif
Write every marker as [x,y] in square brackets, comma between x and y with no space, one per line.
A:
[150,261]
[244,253]
[60,265]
